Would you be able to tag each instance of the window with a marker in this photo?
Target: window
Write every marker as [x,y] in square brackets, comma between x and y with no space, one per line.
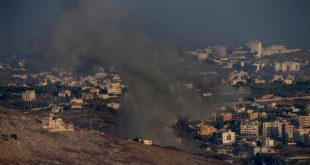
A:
[228,137]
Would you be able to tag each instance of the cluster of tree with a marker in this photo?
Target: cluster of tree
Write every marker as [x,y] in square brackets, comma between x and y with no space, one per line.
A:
[281,89]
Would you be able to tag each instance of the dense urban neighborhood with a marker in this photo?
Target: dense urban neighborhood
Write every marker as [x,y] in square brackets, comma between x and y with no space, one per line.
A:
[268,120]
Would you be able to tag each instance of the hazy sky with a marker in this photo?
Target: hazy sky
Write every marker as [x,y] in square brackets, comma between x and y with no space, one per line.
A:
[190,22]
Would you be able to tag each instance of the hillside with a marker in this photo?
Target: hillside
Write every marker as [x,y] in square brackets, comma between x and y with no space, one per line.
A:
[24,141]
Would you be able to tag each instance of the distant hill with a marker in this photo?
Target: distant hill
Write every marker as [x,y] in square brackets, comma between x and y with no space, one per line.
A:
[24,141]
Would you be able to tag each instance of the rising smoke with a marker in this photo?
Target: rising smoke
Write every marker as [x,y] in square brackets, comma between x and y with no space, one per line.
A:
[96,32]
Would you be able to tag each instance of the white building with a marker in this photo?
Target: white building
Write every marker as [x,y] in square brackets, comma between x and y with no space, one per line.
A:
[147,142]
[56,124]
[228,137]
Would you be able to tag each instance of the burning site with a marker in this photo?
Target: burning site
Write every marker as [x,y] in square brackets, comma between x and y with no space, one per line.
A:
[117,82]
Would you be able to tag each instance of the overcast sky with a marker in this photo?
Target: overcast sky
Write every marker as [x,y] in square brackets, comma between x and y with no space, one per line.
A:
[190,22]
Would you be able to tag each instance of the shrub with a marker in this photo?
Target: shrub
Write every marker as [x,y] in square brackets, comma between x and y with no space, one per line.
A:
[5,137]
[14,136]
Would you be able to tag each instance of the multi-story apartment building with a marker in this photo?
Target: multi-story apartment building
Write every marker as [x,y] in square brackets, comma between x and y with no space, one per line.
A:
[288,132]
[114,88]
[304,121]
[272,129]
[29,95]
[287,66]
[249,129]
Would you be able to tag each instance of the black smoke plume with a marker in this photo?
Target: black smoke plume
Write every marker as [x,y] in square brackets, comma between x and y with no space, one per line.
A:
[97,32]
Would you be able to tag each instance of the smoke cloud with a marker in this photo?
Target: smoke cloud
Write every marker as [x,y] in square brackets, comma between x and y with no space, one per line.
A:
[97,32]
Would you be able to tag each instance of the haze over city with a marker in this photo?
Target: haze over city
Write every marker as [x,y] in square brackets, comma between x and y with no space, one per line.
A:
[188,22]
[219,82]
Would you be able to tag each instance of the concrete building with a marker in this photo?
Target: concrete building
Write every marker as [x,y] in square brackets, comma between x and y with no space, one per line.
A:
[287,66]
[57,109]
[289,80]
[55,124]
[220,51]
[94,90]
[253,115]
[114,105]
[259,66]
[256,47]
[71,83]
[189,85]
[288,132]
[103,96]
[272,129]
[259,81]
[225,117]
[205,130]
[238,77]
[207,94]
[29,95]
[76,103]
[264,150]
[147,142]
[114,88]
[250,129]
[304,121]
[301,135]
[267,142]
[277,78]
[277,49]
[88,96]
[100,75]
[64,93]
[202,56]
[228,137]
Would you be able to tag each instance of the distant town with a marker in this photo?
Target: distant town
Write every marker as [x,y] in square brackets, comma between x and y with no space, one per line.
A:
[273,119]
[271,116]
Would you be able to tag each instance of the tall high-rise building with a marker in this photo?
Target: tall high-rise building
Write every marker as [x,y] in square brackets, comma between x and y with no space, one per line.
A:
[220,51]
[256,47]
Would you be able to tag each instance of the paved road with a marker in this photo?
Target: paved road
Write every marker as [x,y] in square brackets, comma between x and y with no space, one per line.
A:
[282,99]
[42,108]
